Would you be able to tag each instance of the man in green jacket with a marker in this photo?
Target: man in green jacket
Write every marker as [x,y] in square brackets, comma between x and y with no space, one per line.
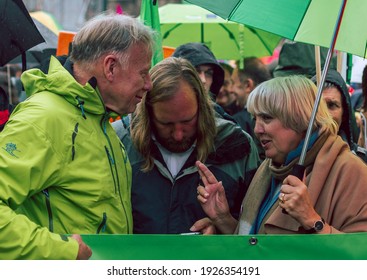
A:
[63,170]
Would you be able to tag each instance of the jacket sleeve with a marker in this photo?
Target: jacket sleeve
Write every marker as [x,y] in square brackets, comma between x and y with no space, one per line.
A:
[23,239]
[28,163]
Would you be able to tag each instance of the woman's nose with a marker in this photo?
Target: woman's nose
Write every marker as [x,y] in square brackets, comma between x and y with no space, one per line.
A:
[259,127]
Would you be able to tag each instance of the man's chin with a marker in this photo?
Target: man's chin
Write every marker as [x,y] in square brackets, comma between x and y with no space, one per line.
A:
[177,148]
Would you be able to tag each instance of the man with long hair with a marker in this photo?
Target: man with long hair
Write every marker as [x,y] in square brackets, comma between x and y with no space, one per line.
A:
[174,126]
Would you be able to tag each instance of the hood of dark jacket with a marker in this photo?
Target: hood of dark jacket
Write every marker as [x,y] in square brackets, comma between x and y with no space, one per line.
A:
[296,58]
[348,128]
[198,54]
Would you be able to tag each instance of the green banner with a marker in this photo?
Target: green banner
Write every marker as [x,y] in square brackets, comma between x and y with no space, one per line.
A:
[228,247]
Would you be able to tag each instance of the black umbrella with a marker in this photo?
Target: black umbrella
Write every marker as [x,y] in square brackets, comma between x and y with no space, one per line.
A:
[18,32]
[40,52]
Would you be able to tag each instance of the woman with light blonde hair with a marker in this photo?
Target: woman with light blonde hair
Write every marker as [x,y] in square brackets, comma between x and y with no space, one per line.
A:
[331,197]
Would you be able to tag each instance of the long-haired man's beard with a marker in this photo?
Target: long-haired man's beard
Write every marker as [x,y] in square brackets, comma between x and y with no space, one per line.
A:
[176,146]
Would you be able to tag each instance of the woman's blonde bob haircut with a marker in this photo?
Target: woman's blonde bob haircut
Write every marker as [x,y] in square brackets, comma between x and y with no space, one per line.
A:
[291,100]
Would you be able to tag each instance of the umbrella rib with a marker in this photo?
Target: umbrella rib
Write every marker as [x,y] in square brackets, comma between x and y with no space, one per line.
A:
[234,9]
[261,39]
[166,34]
[230,34]
[301,19]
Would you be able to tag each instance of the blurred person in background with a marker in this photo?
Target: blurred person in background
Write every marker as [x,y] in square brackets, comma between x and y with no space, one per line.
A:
[245,81]
[226,97]
[336,95]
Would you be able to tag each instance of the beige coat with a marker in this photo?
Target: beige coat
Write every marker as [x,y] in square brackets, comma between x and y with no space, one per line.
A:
[337,183]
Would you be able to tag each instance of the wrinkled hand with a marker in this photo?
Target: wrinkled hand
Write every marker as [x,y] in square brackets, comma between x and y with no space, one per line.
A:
[295,199]
[212,195]
[205,226]
[84,252]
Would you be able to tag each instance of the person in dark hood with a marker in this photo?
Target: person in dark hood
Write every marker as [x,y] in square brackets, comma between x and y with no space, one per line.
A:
[336,95]
[297,58]
[210,72]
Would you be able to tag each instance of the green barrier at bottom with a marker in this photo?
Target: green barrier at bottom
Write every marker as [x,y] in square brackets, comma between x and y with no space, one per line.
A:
[350,246]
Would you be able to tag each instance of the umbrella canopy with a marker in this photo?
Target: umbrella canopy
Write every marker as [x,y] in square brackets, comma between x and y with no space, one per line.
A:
[318,22]
[48,20]
[18,32]
[36,54]
[183,23]
[307,21]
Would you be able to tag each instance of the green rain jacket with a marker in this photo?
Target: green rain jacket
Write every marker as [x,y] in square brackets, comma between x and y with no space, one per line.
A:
[62,167]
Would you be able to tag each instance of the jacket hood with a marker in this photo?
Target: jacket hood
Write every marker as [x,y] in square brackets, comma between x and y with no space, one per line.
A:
[348,126]
[61,82]
[198,54]
[290,61]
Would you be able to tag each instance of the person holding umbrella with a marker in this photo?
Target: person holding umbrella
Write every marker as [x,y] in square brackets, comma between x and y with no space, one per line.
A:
[331,197]
[63,169]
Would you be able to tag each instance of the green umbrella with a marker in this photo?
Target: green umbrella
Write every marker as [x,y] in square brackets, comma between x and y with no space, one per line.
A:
[319,22]
[308,21]
[150,16]
[183,23]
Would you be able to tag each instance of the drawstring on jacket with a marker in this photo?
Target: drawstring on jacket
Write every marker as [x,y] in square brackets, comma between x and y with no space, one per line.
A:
[81,107]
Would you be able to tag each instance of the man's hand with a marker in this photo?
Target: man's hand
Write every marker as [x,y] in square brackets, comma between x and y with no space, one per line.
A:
[84,252]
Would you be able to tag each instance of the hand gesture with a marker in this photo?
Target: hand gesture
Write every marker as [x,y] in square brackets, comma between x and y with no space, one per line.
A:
[212,198]
[212,195]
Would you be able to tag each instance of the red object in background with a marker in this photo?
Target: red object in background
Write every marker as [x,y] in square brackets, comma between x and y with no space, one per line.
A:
[119,9]
[350,89]
[270,59]
[4,116]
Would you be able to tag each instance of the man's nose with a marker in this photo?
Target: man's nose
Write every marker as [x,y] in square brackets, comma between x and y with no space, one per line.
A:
[148,83]
[202,76]
[178,132]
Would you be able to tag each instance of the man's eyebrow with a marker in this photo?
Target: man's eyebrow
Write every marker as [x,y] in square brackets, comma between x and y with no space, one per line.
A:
[187,120]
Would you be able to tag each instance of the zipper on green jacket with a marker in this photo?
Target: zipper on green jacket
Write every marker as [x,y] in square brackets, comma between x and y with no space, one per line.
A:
[103,224]
[111,162]
[49,211]
[113,166]
[73,136]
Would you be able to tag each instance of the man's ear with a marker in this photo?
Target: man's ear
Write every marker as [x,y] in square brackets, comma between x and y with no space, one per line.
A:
[109,66]
[250,84]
